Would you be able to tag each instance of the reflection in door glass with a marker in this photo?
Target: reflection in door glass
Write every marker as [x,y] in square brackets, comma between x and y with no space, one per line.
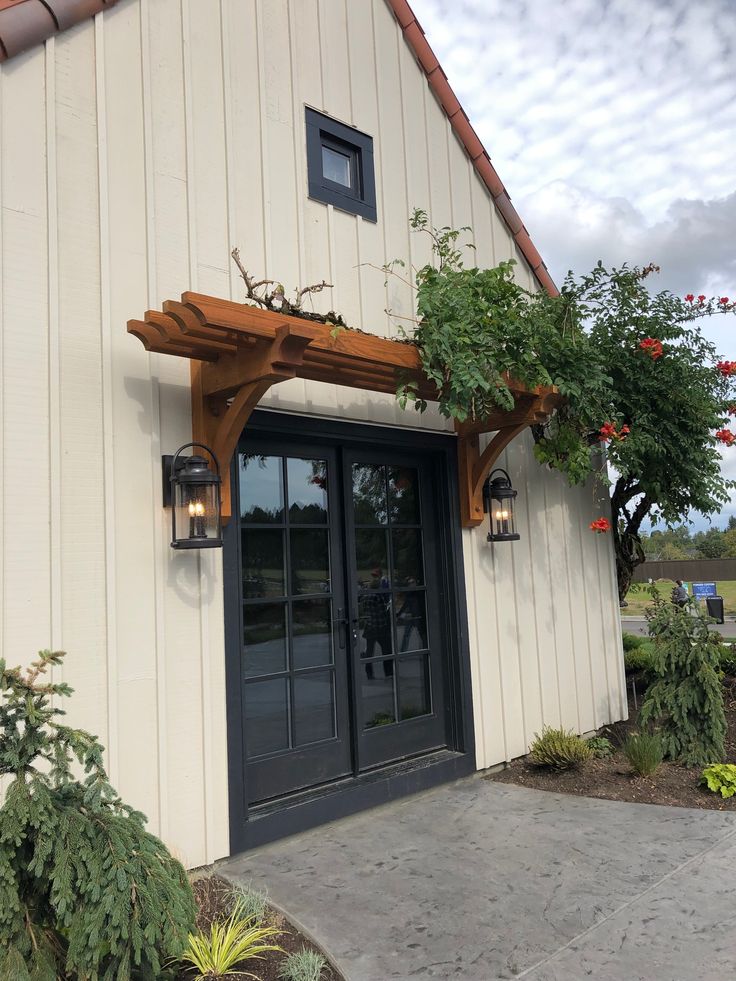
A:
[374,625]
[264,636]
[307,480]
[266,716]
[369,494]
[414,687]
[312,632]
[263,562]
[407,555]
[261,489]
[411,621]
[403,487]
[314,707]
[371,558]
[377,691]
[310,561]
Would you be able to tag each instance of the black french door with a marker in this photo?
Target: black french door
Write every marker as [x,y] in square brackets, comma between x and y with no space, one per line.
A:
[342,662]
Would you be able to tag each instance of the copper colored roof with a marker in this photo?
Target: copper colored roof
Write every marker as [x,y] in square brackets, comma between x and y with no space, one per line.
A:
[26,23]
[469,138]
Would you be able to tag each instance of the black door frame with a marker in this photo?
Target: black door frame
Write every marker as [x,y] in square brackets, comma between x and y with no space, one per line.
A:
[253,826]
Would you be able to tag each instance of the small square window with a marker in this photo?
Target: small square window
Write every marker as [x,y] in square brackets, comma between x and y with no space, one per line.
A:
[340,166]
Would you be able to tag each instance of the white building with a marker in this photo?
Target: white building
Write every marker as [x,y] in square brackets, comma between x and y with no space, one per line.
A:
[140,140]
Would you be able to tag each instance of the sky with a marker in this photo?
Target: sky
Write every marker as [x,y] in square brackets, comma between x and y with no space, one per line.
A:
[612,124]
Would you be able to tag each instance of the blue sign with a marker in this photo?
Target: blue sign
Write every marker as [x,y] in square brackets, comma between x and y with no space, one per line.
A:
[703,589]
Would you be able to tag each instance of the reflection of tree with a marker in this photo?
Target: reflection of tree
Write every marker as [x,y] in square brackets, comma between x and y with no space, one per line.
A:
[402,488]
[314,509]
[256,513]
[369,494]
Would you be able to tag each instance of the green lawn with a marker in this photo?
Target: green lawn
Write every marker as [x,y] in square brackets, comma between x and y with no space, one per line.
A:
[638,598]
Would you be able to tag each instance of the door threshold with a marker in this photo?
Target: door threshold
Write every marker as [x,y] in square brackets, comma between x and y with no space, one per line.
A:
[329,802]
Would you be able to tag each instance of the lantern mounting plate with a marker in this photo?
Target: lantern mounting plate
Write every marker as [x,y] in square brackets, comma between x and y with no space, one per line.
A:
[238,352]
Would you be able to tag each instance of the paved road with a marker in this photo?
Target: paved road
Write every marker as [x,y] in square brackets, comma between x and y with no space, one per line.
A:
[482,881]
[638,625]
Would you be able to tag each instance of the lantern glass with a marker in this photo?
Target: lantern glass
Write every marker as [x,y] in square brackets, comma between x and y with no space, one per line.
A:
[196,514]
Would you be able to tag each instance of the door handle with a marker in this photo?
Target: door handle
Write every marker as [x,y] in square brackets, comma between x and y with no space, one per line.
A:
[341,622]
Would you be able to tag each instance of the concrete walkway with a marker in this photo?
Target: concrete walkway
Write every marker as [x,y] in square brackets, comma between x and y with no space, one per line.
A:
[478,880]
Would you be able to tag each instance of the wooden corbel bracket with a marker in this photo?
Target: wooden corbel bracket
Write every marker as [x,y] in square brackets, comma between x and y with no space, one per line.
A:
[474,466]
[224,394]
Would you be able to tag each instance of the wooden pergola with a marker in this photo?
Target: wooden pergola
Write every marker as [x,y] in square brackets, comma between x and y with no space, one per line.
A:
[238,352]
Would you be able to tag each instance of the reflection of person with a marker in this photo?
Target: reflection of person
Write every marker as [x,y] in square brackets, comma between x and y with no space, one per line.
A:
[679,594]
[377,624]
[411,617]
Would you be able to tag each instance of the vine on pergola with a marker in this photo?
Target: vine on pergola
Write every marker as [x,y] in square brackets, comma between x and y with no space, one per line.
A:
[638,375]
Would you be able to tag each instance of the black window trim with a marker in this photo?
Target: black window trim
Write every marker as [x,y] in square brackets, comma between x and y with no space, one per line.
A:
[357,200]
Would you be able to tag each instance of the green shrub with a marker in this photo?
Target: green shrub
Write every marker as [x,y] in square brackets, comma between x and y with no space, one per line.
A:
[685,701]
[601,747]
[221,951]
[644,752]
[85,891]
[727,659]
[639,659]
[304,965]
[559,749]
[631,641]
[721,778]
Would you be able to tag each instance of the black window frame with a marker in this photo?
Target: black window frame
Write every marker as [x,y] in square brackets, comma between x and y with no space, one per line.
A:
[360,197]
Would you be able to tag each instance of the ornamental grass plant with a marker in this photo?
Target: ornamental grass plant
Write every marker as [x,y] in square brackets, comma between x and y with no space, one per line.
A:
[643,750]
[559,749]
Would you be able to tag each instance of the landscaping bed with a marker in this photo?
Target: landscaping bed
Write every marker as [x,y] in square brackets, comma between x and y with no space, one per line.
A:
[215,896]
[612,778]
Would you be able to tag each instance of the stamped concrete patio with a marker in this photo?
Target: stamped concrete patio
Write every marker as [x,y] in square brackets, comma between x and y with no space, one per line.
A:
[483,881]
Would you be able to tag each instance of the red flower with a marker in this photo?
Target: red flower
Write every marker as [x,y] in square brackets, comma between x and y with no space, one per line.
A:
[652,347]
[600,526]
[608,432]
[723,300]
[726,436]
[701,298]
[689,297]
[726,368]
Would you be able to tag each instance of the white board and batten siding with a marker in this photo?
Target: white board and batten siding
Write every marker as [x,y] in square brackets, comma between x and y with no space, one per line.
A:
[135,150]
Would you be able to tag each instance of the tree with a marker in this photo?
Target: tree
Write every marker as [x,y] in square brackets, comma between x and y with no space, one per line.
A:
[710,544]
[637,373]
[85,891]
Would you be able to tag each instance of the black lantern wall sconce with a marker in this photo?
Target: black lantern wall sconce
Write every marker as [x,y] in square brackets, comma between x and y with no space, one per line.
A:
[192,491]
[498,502]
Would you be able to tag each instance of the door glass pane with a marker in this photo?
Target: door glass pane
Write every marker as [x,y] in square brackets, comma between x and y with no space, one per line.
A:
[369,494]
[310,561]
[411,621]
[314,707]
[407,549]
[266,716]
[374,625]
[414,687]
[377,691]
[264,636]
[336,166]
[263,562]
[261,489]
[371,558]
[312,632]
[307,481]
[403,489]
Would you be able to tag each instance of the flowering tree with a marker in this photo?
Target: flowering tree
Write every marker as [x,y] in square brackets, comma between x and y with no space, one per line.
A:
[639,379]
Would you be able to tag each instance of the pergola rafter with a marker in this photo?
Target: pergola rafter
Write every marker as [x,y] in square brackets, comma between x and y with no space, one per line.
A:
[238,352]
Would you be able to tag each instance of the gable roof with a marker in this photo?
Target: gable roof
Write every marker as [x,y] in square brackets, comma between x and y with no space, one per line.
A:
[26,23]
